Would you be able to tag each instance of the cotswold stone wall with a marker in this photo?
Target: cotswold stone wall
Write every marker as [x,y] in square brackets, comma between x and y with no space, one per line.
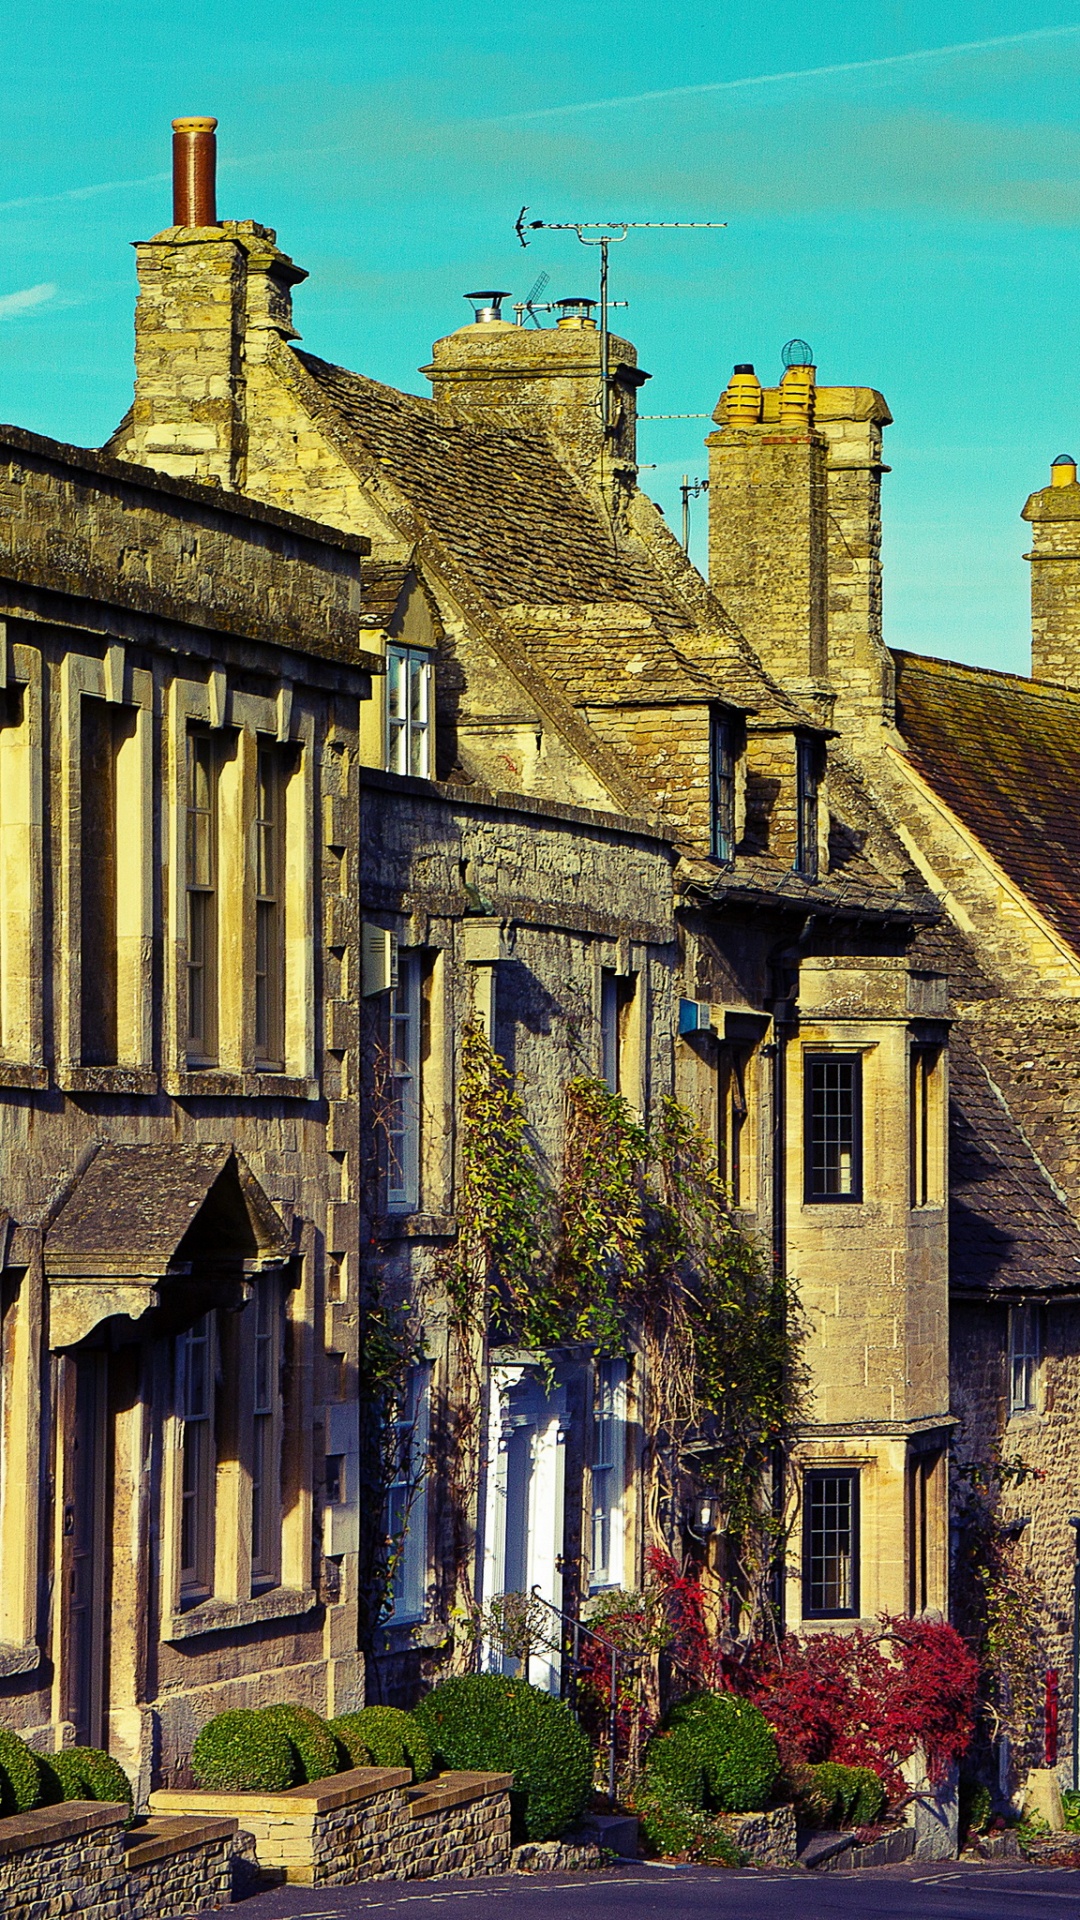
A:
[458,1824]
[67,1860]
[367,1824]
[1038,1447]
[179,1867]
[76,1859]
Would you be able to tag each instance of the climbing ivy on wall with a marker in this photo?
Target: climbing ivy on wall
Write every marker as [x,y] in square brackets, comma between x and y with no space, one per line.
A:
[633,1245]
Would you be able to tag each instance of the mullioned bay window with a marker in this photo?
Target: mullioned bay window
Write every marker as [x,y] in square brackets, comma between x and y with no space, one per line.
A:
[833,1127]
[226,1497]
[830,1544]
[242,871]
[106,872]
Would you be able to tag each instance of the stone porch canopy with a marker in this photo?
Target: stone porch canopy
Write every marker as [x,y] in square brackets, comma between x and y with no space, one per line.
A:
[158,1235]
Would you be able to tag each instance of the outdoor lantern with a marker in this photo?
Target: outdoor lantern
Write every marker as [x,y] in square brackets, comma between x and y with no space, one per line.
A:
[706,1512]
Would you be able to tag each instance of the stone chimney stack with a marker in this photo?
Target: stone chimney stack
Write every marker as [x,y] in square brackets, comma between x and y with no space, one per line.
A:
[544,381]
[212,294]
[1054,513]
[767,522]
[795,532]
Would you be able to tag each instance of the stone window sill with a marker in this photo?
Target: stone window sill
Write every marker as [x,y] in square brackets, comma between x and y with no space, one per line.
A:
[415,1226]
[222,1616]
[215,1084]
[78,1079]
[15,1659]
[14,1073]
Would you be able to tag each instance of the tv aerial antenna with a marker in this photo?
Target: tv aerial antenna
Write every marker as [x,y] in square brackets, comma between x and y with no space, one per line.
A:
[530,304]
[604,234]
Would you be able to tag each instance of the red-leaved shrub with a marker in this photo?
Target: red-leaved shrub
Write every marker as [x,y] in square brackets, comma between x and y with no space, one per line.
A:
[869,1700]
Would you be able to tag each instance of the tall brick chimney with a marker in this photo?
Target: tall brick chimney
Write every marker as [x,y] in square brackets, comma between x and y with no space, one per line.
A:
[1054,513]
[795,532]
[211,295]
[543,381]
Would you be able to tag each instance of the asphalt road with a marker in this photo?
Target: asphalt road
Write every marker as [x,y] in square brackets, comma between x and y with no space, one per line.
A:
[926,1891]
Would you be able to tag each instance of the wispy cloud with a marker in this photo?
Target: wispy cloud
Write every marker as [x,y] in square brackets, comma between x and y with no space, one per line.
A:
[24,301]
[922,54]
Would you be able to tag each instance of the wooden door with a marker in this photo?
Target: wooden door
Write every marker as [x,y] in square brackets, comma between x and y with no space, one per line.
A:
[86,1549]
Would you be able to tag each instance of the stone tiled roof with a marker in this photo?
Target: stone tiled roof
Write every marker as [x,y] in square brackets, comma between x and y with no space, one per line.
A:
[1010,1230]
[1004,754]
[755,881]
[500,501]
[134,1205]
[538,550]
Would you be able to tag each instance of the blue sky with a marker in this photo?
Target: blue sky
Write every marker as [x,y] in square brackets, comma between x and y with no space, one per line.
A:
[901,182]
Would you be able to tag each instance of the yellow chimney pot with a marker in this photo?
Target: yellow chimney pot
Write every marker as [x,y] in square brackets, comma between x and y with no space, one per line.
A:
[1063,471]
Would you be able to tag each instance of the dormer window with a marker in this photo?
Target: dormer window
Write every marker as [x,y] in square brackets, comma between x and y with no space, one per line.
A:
[722,773]
[807,778]
[409,711]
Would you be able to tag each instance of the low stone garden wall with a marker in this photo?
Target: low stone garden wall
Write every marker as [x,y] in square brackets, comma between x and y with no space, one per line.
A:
[767,1839]
[327,1834]
[178,1867]
[367,1824]
[76,1859]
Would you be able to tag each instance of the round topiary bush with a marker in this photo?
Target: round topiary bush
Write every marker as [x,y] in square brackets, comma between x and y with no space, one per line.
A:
[846,1796]
[85,1773]
[490,1723]
[314,1746]
[384,1737]
[20,1775]
[717,1751]
[243,1751]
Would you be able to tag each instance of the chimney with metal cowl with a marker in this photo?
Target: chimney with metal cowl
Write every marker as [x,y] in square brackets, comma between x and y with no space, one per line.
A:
[215,298]
[194,172]
[544,382]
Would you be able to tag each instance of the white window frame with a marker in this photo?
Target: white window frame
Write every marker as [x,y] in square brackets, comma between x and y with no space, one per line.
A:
[608,1473]
[407,1499]
[1025,1356]
[409,711]
[404,1091]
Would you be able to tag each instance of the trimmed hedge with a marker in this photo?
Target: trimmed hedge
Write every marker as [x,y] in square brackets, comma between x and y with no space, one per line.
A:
[20,1775]
[84,1773]
[491,1723]
[243,1751]
[315,1750]
[384,1737]
[845,1796]
[716,1752]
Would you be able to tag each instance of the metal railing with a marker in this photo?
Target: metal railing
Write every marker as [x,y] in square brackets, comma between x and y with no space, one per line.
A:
[575,1631]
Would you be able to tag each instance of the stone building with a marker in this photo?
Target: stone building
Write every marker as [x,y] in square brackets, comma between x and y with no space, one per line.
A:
[182,676]
[594,815]
[973,773]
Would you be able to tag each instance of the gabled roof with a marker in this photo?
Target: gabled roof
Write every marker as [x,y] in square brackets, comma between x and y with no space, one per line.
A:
[537,547]
[1004,754]
[1010,1229]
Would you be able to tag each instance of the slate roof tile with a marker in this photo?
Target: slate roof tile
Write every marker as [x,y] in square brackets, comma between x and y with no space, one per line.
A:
[1004,753]
[1010,1230]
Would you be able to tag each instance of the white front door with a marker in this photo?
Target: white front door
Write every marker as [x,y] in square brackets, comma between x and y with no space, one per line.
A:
[524,1501]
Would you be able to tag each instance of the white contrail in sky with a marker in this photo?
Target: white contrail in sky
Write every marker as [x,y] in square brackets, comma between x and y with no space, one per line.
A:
[80,193]
[797,73]
[25,299]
